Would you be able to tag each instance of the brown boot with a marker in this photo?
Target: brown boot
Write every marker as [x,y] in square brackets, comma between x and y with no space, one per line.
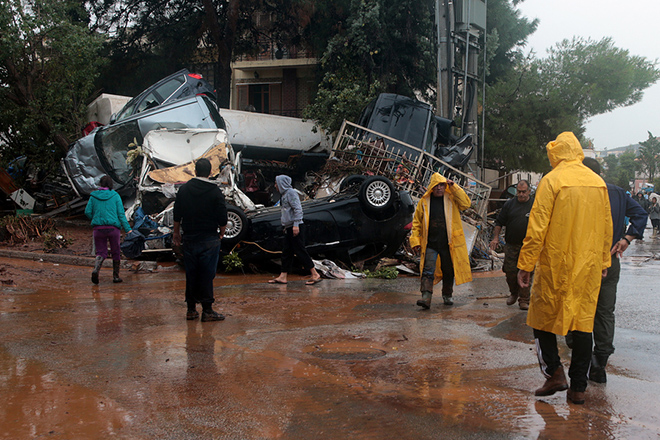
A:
[511,300]
[576,397]
[426,288]
[523,298]
[425,302]
[557,382]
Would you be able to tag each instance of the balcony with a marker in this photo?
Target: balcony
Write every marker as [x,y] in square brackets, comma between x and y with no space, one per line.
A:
[274,55]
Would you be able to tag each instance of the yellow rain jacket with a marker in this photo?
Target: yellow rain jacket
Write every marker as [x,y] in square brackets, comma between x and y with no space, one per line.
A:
[569,235]
[455,201]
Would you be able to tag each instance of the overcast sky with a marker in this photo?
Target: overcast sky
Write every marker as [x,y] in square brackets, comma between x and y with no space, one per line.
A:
[633,25]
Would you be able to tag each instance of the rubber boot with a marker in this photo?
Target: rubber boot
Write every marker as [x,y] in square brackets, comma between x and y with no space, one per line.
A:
[427,292]
[115,272]
[597,369]
[447,292]
[425,302]
[97,267]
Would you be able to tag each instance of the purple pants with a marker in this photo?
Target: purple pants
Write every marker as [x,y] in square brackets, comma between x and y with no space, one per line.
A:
[103,235]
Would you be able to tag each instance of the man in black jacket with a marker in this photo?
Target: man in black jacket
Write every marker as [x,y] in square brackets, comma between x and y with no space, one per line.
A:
[199,209]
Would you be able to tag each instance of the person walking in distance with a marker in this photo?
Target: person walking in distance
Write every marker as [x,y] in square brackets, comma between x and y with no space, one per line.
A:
[106,211]
[569,234]
[654,215]
[514,216]
[200,210]
[621,206]
[437,235]
[294,233]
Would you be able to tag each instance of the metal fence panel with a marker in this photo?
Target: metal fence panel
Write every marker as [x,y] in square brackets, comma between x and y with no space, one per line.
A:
[408,167]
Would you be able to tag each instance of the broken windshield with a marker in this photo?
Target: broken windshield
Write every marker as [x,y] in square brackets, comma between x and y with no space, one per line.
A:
[112,146]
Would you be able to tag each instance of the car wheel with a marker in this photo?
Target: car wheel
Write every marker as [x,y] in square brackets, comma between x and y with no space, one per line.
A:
[376,193]
[352,181]
[237,225]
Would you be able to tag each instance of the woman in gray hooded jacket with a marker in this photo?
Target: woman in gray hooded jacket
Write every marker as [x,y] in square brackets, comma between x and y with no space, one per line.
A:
[292,223]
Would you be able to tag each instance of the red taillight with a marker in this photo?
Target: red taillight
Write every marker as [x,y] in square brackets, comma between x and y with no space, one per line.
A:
[408,227]
[195,75]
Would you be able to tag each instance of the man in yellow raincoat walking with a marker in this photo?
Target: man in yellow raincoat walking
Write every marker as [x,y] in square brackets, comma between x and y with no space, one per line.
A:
[438,234]
[569,235]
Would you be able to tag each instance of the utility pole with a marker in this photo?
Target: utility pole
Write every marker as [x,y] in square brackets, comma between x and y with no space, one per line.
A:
[459,25]
[445,24]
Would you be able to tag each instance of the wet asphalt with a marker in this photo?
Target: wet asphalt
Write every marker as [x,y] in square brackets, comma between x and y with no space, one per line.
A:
[340,359]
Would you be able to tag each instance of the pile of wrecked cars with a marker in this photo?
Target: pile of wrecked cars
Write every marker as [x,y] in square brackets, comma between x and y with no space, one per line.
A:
[359,193]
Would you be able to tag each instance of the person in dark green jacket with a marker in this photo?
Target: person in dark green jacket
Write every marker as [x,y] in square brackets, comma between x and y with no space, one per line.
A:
[106,211]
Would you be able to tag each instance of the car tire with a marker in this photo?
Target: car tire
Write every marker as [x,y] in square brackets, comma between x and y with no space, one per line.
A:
[352,181]
[237,225]
[377,194]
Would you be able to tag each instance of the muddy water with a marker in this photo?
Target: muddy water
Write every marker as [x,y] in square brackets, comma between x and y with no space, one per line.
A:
[335,360]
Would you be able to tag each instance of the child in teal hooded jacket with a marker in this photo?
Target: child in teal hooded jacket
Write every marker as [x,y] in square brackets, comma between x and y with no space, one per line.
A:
[106,211]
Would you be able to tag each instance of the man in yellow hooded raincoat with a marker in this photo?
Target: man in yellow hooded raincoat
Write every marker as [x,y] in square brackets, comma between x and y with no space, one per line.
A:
[437,233]
[569,235]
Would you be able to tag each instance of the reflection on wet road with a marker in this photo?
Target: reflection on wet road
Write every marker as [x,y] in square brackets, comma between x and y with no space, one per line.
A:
[335,360]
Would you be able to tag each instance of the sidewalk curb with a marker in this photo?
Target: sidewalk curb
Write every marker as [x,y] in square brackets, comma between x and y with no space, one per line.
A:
[76,260]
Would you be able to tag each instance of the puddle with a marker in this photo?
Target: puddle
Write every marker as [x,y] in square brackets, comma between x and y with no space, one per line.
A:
[347,353]
[38,404]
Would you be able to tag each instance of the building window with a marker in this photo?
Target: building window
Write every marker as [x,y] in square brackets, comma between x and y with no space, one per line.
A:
[260,98]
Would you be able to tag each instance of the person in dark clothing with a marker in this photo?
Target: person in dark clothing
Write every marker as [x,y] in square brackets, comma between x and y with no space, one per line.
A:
[654,215]
[621,205]
[292,223]
[106,211]
[643,202]
[199,209]
[514,216]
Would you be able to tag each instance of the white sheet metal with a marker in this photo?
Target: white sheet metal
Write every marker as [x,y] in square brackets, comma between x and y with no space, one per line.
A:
[272,131]
[178,147]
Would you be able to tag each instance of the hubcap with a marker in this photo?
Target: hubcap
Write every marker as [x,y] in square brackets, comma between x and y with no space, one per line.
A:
[234,225]
[378,193]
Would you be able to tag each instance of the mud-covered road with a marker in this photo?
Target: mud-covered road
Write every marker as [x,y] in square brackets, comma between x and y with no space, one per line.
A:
[340,359]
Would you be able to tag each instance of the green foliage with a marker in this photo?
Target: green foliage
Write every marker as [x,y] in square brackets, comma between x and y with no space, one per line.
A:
[507,33]
[649,156]
[339,98]
[387,272]
[153,38]
[656,184]
[620,171]
[48,63]
[232,262]
[596,77]
[378,46]
[540,98]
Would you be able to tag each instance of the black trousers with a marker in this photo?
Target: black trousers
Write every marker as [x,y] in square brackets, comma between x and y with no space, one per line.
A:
[604,319]
[295,245]
[549,361]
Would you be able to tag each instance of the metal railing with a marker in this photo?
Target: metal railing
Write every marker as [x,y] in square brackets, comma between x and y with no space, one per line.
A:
[271,51]
[408,167]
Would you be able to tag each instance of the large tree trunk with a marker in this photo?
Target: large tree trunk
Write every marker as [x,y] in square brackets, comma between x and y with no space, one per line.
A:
[224,40]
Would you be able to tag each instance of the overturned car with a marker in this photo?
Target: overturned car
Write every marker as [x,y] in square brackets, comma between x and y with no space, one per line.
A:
[366,218]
